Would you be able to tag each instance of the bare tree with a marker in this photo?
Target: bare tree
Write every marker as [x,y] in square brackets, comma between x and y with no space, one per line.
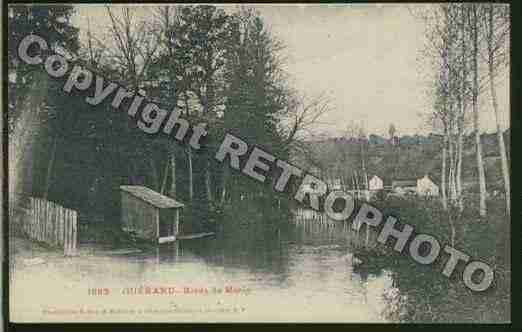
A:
[300,116]
[451,28]
[391,131]
[497,32]
[136,46]
[363,140]
[462,95]
[94,47]
[475,31]
[442,39]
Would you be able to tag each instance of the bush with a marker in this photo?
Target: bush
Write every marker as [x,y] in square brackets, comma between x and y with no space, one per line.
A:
[427,295]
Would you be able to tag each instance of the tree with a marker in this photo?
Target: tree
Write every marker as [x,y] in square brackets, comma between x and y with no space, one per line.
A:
[256,98]
[208,36]
[497,32]
[391,132]
[52,23]
[463,96]
[449,34]
[475,31]
[29,88]
[135,49]
[193,41]
[440,51]
[170,70]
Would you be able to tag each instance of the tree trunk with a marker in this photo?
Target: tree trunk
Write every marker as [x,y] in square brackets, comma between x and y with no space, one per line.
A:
[452,229]
[500,136]
[356,184]
[155,176]
[443,172]
[165,177]
[365,177]
[23,138]
[482,176]
[356,188]
[463,108]
[190,174]
[50,168]
[172,191]
[459,171]
[189,153]
[208,182]
[452,189]
[224,183]
[480,163]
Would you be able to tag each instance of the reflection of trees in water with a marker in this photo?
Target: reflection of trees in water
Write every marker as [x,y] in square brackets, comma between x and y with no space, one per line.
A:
[240,243]
[273,250]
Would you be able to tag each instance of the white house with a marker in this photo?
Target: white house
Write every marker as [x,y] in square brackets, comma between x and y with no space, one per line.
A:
[375,183]
[404,186]
[426,187]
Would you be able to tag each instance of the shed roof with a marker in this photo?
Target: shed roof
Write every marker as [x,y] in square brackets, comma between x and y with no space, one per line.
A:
[152,197]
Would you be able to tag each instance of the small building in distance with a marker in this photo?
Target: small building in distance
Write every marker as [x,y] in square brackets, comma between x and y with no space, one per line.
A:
[149,215]
[426,187]
[404,186]
[375,183]
[422,186]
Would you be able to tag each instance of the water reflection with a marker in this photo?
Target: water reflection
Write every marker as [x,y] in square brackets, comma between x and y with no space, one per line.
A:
[289,272]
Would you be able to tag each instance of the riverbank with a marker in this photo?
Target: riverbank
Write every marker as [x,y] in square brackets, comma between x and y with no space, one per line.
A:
[426,293]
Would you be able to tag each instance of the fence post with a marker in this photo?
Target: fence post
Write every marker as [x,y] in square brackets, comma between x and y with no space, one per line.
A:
[35,221]
[40,217]
[66,234]
[60,227]
[75,231]
[46,220]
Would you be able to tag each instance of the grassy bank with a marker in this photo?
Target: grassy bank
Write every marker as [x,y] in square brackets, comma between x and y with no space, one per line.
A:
[425,294]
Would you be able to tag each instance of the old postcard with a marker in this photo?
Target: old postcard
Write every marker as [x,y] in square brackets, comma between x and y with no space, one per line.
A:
[258,163]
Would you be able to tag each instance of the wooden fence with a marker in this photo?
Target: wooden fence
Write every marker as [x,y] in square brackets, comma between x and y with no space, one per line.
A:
[53,224]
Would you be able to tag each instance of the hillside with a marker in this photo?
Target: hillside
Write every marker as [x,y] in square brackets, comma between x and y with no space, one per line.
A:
[412,157]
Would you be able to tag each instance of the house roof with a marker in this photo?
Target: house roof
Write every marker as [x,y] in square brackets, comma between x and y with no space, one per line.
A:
[152,197]
[427,176]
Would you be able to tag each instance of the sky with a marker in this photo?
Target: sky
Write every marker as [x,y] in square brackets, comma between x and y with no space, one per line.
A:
[364,57]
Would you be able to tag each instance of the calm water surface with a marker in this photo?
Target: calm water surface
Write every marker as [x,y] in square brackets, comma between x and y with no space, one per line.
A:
[246,273]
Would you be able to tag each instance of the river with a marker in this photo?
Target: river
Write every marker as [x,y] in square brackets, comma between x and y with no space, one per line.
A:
[247,272]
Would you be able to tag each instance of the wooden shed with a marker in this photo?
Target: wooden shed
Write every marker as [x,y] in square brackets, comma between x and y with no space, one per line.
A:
[149,214]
